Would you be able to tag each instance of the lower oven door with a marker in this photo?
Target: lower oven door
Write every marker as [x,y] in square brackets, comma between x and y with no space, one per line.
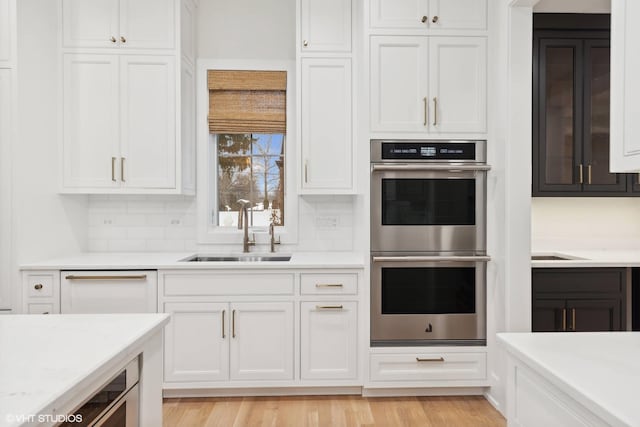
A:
[428,300]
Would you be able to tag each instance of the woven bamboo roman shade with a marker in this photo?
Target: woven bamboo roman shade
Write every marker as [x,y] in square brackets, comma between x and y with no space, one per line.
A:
[247,101]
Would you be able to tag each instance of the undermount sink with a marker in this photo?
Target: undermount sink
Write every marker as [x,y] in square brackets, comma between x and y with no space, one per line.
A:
[553,258]
[237,258]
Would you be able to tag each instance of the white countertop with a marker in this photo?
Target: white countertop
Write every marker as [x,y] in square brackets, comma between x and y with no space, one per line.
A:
[159,260]
[590,258]
[600,370]
[45,359]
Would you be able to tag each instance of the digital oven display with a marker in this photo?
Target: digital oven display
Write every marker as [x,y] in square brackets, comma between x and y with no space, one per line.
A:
[421,150]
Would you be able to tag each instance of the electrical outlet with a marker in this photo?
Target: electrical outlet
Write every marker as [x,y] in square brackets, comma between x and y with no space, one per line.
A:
[327,221]
[175,222]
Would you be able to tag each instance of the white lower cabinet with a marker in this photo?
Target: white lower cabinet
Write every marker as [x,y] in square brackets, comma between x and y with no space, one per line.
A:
[328,340]
[260,329]
[218,341]
[196,342]
[261,341]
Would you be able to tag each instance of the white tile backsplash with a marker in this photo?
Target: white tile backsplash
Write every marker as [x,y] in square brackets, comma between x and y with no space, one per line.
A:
[168,224]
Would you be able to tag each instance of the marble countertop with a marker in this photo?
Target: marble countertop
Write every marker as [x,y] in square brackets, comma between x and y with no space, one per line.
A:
[152,261]
[44,360]
[597,369]
[589,258]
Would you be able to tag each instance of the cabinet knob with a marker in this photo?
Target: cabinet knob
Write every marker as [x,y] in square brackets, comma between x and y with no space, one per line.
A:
[38,286]
[305,43]
[435,19]
[113,39]
[424,19]
[122,39]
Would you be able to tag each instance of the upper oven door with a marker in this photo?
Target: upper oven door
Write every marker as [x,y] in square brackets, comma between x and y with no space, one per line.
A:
[428,208]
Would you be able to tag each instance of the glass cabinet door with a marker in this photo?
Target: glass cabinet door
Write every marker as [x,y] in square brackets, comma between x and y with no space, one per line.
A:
[596,120]
[560,100]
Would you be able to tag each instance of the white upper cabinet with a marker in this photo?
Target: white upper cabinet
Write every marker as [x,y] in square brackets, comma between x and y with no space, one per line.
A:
[625,86]
[399,78]
[429,14]
[136,24]
[107,93]
[147,122]
[327,148]
[458,84]
[6,31]
[90,121]
[428,85]
[326,25]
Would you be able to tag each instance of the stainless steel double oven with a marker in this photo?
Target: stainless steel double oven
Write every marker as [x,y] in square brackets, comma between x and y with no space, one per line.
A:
[428,242]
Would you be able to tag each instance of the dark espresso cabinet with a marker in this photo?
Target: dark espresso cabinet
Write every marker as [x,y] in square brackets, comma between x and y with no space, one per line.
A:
[571,94]
[579,299]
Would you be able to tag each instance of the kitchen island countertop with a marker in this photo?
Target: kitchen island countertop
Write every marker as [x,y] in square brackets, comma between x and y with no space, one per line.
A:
[48,364]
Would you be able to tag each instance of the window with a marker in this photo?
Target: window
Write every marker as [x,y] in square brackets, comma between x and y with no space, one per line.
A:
[247,128]
[251,167]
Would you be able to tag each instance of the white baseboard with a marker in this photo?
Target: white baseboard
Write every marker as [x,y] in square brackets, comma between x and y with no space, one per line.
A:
[275,391]
[444,391]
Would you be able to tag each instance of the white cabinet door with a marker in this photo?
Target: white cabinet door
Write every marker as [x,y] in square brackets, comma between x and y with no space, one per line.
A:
[458,14]
[327,151]
[90,123]
[147,24]
[326,25]
[328,340]
[399,75]
[188,128]
[6,27]
[625,87]
[458,84]
[261,341]
[196,342]
[5,188]
[90,23]
[399,14]
[147,122]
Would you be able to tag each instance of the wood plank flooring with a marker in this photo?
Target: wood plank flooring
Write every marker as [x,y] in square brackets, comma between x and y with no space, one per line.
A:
[333,411]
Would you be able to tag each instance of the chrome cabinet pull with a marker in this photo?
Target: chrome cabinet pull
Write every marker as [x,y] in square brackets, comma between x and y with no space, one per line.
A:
[113,169]
[424,19]
[437,359]
[426,111]
[435,111]
[305,43]
[329,285]
[131,277]
[223,313]
[329,307]
[580,174]
[38,286]
[564,319]
[233,323]
[122,159]
[589,174]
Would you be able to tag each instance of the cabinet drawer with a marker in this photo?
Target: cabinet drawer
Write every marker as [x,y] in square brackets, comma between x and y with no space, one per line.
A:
[176,284]
[316,284]
[40,285]
[428,366]
[40,308]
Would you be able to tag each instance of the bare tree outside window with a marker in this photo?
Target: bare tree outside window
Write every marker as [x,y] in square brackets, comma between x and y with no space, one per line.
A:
[251,167]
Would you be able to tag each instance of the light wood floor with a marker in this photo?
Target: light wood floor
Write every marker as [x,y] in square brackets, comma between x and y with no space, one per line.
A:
[333,411]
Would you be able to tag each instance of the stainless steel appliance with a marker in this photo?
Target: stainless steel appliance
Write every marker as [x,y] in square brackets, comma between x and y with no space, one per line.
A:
[428,196]
[428,242]
[116,403]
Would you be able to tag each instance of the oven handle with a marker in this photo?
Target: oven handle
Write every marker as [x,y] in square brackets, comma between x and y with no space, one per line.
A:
[428,167]
[478,258]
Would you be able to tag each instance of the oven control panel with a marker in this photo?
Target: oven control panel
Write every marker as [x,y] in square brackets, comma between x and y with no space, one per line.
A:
[425,151]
